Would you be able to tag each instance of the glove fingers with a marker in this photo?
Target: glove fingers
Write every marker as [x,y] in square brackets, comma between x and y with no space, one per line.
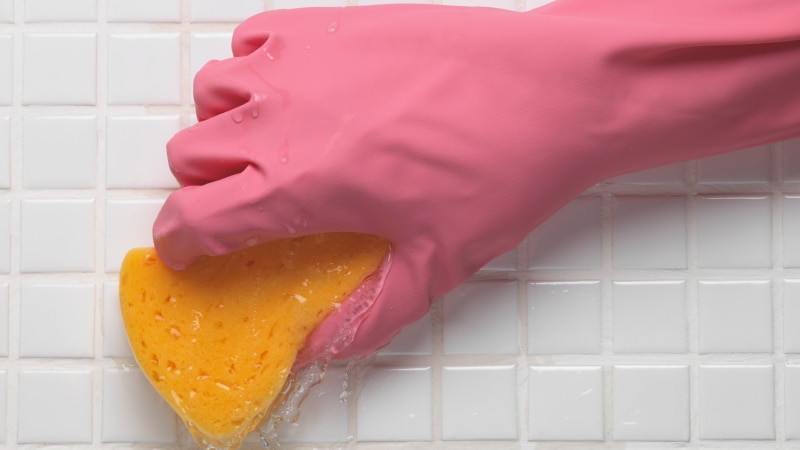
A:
[221,86]
[213,219]
[220,147]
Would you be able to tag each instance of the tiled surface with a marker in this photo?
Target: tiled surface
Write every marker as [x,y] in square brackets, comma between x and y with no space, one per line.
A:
[658,310]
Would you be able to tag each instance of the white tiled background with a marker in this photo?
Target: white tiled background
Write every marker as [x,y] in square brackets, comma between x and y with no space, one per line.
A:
[659,310]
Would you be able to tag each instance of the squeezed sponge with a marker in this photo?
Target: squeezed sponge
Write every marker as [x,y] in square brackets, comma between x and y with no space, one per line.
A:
[218,339]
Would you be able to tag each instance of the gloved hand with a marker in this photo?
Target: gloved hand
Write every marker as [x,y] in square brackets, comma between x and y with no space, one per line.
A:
[455,131]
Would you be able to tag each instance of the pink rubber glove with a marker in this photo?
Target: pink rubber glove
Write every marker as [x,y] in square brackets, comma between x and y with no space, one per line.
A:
[455,131]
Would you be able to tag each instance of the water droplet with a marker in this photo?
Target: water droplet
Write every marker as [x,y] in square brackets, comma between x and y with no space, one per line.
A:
[333,27]
[237,116]
[251,242]
[308,47]
[270,56]
[255,111]
[284,159]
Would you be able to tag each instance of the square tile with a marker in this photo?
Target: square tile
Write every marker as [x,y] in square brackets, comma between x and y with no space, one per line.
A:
[3,405]
[60,11]
[3,326]
[205,47]
[129,224]
[791,160]
[744,166]
[736,402]
[59,69]
[503,4]
[56,321]
[504,262]
[5,152]
[479,403]
[565,403]
[395,404]
[482,317]
[7,11]
[791,231]
[115,339]
[224,10]
[415,339]
[288,4]
[51,144]
[136,151]
[533,4]
[791,316]
[571,239]
[564,317]
[791,399]
[734,231]
[144,69]
[133,411]
[6,68]
[650,317]
[726,308]
[669,174]
[5,236]
[55,407]
[144,11]
[651,403]
[649,233]
[323,416]
[57,235]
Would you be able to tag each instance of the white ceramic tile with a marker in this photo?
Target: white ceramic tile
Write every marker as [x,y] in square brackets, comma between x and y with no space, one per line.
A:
[651,403]
[650,317]
[323,416]
[482,317]
[504,4]
[415,339]
[144,11]
[129,224]
[565,403]
[57,235]
[386,2]
[570,239]
[6,69]
[504,262]
[791,160]
[144,69]
[56,320]
[791,398]
[55,407]
[670,174]
[5,152]
[736,402]
[3,405]
[59,69]
[564,317]
[3,326]
[479,402]
[533,4]
[649,233]
[136,153]
[791,231]
[5,236]
[395,404]
[791,316]
[133,411]
[743,166]
[734,231]
[224,10]
[59,152]
[6,11]
[205,47]
[60,10]
[287,4]
[115,340]
[734,316]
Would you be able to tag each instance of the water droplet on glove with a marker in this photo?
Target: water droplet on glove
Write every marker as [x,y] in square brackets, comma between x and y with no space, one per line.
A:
[333,27]
[237,116]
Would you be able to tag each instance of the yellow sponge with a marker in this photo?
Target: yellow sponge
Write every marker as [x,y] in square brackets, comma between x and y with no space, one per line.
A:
[218,340]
